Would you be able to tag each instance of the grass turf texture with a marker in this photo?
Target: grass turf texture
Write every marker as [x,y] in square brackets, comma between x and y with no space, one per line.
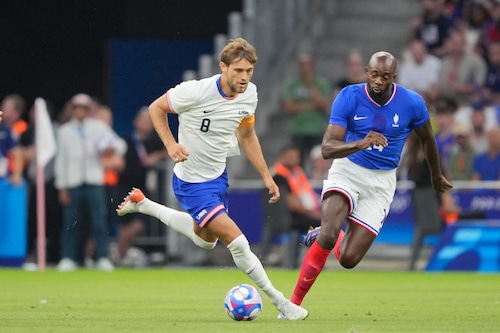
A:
[176,300]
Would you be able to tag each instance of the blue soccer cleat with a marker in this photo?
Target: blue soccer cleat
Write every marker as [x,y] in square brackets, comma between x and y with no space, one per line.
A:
[311,236]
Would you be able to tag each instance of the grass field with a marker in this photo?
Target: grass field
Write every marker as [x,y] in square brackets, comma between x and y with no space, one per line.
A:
[184,300]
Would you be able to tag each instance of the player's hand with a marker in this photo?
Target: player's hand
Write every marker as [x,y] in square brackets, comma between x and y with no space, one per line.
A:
[1,114]
[373,138]
[274,191]
[441,184]
[177,153]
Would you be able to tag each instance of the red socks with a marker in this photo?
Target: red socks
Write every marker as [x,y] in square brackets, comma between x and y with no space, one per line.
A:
[336,248]
[313,263]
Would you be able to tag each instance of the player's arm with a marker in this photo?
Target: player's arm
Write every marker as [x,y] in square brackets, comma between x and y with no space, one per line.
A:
[429,146]
[251,146]
[158,112]
[334,146]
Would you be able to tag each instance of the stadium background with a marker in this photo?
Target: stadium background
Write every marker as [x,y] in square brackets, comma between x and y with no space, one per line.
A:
[126,53]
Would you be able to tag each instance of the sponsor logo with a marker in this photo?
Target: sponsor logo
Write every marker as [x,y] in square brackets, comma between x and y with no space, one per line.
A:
[244,113]
[207,111]
[201,214]
[356,117]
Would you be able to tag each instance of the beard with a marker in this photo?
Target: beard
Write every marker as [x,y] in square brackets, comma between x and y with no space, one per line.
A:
[235,88]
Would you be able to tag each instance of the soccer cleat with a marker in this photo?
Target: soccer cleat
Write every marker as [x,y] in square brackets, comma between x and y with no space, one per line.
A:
[292,311]
[311,236]
[129,204]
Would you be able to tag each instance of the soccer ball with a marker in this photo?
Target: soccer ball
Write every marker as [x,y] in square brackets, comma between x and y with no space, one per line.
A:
[243,302]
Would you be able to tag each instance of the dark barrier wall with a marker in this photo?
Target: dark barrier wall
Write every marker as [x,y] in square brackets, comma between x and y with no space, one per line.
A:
[246,209]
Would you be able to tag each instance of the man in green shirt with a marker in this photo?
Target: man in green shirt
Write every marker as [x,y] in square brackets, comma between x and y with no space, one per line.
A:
[306,100]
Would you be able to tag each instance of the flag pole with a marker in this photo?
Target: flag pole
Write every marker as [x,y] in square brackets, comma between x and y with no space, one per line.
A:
[40,208]
[45,147]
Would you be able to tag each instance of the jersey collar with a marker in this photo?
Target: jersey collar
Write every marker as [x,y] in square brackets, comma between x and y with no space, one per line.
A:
[394,89]
[221,92]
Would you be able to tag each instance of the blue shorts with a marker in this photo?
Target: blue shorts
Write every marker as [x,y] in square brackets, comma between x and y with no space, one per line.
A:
[203,201]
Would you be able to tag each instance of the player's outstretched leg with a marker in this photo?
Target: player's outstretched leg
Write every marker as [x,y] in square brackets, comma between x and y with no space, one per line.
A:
[248,262]
[182,222]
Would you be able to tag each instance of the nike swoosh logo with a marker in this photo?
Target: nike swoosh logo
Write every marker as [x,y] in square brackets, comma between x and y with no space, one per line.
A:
[308,280]
[356,117]
[205,111]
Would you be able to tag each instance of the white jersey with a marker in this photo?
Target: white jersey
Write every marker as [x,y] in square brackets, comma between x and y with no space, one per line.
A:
[207,125]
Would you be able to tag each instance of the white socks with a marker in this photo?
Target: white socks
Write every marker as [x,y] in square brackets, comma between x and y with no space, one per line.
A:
[243,256]
[248,262]
[179,221]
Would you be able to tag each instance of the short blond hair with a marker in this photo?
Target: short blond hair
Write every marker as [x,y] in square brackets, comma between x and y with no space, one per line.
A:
[236,49]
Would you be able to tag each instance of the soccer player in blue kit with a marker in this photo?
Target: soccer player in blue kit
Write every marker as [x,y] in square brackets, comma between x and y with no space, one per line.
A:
[368,127]
[215,114]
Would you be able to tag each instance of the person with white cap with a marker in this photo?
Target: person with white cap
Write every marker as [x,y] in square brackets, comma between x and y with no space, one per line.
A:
[79,177]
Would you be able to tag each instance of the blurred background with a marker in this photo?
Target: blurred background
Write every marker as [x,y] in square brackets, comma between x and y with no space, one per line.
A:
[124,54]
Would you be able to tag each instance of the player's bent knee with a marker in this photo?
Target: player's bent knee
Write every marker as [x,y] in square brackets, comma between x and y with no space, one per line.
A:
[203,243]
[349,261]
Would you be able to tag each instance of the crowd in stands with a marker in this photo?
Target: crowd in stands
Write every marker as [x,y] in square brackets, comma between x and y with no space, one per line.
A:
[92,169]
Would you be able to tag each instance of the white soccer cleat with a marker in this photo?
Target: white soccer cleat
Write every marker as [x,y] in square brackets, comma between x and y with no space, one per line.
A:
[292,311]
[129,204]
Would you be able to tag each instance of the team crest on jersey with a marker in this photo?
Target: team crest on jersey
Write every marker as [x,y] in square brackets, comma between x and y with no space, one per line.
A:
[395,120]
[244,113]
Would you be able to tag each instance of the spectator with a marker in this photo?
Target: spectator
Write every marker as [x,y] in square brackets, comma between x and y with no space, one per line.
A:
[113,164]
[355,71]
[420,71]
[320,166]
[13,106]
[462,73]
[144,151]
[493,30]
[478,139]
[306,99]
[79,177]
[474,24]
[486,166]
[460,162]
[301,199]
[9,146]
[491,89]
[444,117]
[433,26]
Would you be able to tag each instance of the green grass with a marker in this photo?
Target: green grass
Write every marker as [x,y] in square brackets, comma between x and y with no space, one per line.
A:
[175,300]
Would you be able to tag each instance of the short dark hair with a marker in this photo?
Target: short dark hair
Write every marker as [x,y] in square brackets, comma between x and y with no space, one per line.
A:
[289,146]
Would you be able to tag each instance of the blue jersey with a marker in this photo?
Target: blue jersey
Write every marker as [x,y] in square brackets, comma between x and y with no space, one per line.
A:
[359,114]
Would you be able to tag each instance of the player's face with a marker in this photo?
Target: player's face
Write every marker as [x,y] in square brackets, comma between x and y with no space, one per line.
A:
[236,76]
[380,78]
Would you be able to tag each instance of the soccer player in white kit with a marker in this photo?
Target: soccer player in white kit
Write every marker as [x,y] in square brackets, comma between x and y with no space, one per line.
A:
[215,114]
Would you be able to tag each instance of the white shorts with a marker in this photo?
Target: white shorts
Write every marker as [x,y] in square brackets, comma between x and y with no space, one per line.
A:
[370,192]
